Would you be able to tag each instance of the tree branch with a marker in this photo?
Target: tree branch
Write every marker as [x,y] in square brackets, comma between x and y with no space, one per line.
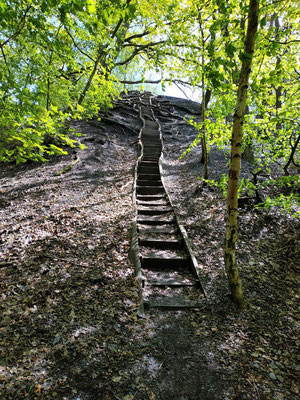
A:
[140,81]
[138,50]
[20,28]
[5,61]
[138,35]
[77,47]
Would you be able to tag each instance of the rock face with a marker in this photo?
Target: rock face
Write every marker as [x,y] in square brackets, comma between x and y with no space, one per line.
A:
[105,134]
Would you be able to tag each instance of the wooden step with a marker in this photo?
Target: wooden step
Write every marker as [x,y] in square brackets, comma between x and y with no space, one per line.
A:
[148,146]
[151,124]
[146,169]
[151,158]
[150,133]
[161,243]
[149,177]
[172,282]
[151,152]
[148,164]
[150,130]
[165,203]
[151,141]
[160,230]
[149,189]
[154,221]
[164,262]
[170,303]
[151,197]
[152,144]
[142,182]
[156,211]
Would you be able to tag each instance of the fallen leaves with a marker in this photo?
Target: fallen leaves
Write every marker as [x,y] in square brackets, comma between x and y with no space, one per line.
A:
[69,298]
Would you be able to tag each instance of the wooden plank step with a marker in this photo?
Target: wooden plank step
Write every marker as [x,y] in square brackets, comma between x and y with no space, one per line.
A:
[161,243]
[160,230]
[154,222]
[147,177]
[148,164]
[164,262]
[156,211]
[151,197]
[172,282]
[149,189]
[153,149]
[169,303]
[151,141]
[151,124]
[145,169]
[149,204]
[149,130]
[150,138]
[151,158]
[151,152]
[142,182]
[155,134]
[148,146]
[152,144]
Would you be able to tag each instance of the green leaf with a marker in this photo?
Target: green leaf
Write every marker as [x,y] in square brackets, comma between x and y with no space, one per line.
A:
[128,397]
[91,6]
[230,49]
[245,56]
[56,339]
[263,22]
[117,379]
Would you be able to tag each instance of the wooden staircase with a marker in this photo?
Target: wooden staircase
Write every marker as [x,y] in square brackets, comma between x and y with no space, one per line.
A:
[164,262]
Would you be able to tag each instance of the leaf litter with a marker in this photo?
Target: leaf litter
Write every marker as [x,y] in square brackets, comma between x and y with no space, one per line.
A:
[69,325]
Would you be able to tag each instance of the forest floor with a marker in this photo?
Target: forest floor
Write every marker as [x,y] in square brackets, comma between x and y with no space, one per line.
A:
[69,328]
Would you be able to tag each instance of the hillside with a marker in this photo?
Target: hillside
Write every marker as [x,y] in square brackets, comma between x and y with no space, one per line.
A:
[69,327]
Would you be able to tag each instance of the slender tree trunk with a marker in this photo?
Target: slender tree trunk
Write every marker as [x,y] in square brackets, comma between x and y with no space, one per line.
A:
[204,156]
[291,157]
[203,133]
[232,272]
[89,81]
[204,152]
[49,83]
[120,28]
[278,89]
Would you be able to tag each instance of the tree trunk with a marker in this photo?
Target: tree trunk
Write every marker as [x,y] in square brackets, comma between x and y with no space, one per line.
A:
[232,272]
[204,154]
[203,133]
[120,28]
[89,81]
[278,89]
[248,153]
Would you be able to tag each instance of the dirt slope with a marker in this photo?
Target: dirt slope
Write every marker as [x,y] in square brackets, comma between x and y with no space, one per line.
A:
[69,328]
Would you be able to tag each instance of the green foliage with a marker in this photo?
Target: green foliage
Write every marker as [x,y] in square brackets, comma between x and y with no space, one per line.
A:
[285,191]
[33,137]
[286,204]
[56,64]
[59,61]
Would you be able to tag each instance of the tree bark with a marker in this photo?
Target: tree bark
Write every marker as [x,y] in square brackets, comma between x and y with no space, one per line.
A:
[232,272]
[204,103]
[203,133]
